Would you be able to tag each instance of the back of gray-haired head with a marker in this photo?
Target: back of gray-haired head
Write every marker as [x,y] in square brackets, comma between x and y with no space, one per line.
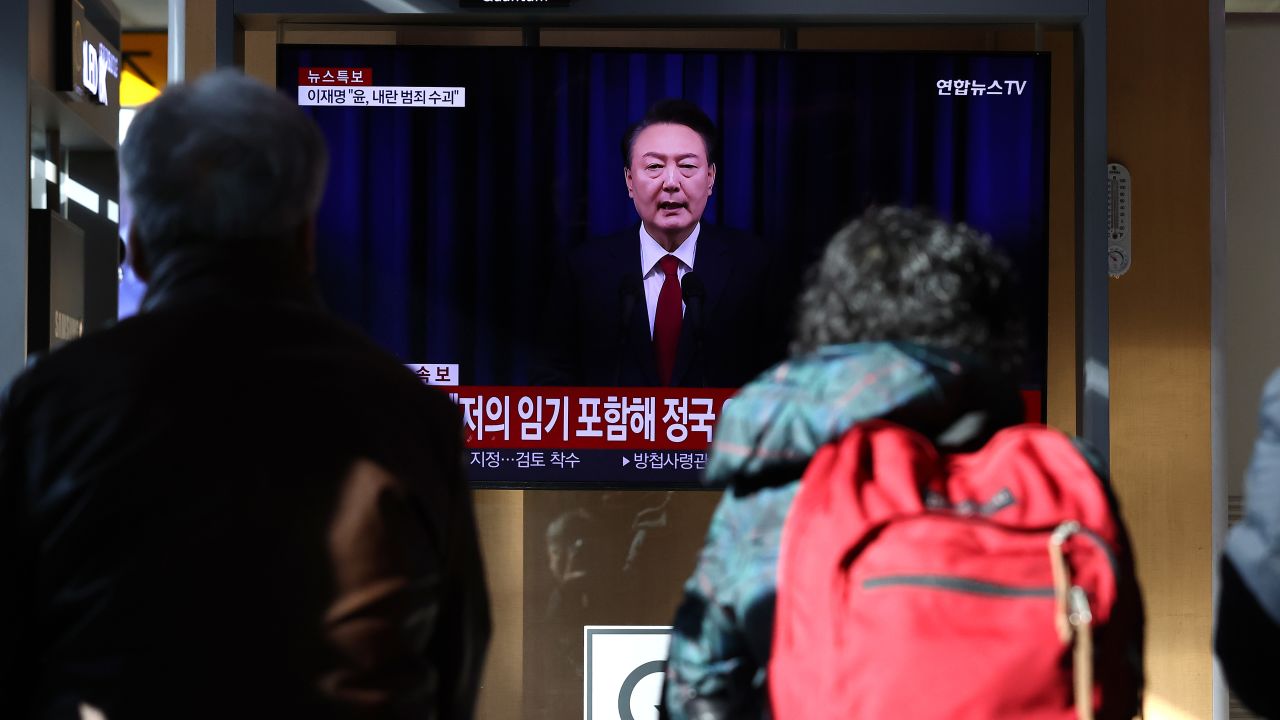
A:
[899,274]
[223,162]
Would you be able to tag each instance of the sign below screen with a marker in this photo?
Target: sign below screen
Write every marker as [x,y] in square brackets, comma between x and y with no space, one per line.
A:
[624,667]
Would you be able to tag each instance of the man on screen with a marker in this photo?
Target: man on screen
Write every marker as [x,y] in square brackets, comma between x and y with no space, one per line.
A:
[671,301]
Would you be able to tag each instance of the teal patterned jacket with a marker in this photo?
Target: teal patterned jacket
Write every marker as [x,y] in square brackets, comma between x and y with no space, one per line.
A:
[764,439]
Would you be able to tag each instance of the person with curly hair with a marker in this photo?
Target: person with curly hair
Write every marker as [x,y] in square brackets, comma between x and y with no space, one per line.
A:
[906,318]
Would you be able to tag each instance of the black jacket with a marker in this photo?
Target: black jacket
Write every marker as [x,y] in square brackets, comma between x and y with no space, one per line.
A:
[1247,638]
[596,328]
[233,506]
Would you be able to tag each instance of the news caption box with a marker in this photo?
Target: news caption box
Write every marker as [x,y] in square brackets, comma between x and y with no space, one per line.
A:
[353,87]
[544,437]
[377,96]
[588,437]
[600,418]
[601,437]
[329,76]
[443,374]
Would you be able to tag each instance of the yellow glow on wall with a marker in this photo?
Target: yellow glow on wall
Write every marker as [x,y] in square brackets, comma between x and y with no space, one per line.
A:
[135,91]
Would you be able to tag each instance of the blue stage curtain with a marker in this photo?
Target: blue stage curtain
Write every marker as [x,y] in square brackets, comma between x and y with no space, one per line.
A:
[440,226]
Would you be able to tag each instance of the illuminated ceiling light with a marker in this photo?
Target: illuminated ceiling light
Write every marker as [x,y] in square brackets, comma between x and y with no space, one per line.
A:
[79,194]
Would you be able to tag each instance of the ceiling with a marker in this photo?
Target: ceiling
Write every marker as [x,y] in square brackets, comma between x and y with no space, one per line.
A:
[154,14]
[143,14]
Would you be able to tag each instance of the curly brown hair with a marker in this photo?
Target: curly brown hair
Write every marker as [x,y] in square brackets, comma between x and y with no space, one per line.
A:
[901,274]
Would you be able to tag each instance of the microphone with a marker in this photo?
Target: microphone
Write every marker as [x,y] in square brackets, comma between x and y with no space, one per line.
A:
[692,289]
[630,291]
[694,293]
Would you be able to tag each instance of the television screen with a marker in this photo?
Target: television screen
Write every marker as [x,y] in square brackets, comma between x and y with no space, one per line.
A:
[491,220]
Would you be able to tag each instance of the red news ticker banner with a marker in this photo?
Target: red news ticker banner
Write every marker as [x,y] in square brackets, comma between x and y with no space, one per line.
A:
[590,418]
[603,418]
[335,76]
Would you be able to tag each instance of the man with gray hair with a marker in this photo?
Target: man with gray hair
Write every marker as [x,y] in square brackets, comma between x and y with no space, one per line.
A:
[231,505]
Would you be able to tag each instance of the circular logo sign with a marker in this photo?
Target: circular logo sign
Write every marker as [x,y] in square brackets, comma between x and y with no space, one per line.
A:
[629,686]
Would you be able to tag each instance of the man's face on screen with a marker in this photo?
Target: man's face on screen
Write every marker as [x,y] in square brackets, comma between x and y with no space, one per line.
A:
[669,180]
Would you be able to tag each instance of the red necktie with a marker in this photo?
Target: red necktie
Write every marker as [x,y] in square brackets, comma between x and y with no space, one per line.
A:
[666,321]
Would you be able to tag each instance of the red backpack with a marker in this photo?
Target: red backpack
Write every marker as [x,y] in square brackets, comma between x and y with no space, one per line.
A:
[994,584]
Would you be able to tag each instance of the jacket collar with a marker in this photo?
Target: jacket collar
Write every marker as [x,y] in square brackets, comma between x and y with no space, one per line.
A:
[775,424]
[203,275]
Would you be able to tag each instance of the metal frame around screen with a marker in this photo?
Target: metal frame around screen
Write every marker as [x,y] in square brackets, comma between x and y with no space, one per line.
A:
[1086,17]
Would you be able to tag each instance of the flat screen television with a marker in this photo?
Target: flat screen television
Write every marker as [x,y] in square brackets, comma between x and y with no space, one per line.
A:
[461,179]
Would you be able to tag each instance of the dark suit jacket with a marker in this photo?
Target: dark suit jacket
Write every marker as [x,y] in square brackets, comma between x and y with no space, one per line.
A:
[596,328]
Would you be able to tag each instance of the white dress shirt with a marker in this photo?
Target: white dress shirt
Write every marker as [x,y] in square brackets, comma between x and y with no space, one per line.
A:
[650,253]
